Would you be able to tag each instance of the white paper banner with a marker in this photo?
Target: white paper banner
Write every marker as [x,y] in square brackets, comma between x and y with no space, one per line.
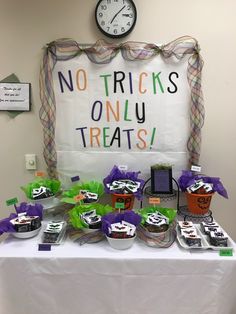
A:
[133,113]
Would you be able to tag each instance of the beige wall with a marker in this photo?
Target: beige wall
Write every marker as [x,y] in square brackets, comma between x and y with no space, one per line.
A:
[27,25]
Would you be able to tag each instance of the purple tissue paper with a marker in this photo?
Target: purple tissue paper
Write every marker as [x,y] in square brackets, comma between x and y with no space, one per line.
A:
[188,178]
[117,174]
[29,209]
[111,218]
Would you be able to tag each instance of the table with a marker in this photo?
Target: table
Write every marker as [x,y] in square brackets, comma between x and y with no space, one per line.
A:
[94,278]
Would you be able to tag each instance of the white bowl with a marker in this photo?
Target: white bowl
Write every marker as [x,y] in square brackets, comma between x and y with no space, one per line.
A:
[120,244]
[26,235]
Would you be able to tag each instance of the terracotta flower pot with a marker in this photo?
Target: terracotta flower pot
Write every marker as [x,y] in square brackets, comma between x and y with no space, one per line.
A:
[127,199]
[198,204]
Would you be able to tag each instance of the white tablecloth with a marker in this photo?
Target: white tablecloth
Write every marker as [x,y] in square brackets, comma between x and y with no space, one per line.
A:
[95,278]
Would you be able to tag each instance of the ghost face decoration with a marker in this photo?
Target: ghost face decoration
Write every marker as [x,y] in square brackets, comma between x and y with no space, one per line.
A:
[127,201]
[204,202]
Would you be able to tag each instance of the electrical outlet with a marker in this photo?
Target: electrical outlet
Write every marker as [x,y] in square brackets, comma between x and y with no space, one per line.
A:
[30,162]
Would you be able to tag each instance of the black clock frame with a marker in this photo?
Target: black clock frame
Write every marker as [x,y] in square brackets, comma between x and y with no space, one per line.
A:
[114,35]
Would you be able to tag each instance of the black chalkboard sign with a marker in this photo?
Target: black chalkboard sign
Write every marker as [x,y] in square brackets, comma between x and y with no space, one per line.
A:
[161,181]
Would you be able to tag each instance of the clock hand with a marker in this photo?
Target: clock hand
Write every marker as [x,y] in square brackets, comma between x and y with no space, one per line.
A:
[117,13]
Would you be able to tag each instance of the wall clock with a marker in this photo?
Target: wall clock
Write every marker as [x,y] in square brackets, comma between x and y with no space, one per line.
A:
[115,18]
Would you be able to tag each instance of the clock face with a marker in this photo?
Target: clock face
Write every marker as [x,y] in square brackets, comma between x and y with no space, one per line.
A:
[115,18]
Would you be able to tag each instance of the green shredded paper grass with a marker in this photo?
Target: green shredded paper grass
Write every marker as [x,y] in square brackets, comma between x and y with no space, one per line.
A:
[74,213]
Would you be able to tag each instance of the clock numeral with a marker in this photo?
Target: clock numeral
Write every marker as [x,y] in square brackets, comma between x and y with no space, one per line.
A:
[100,14]
[108,28]
[103,7]
[128,7]
[122,29]
[108,1]
[103,23]
[115,31]
[131,15]
[128,24]
[116,0]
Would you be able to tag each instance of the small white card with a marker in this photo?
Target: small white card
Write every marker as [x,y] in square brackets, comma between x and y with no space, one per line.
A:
[123,167]
[196,168]
[15,96]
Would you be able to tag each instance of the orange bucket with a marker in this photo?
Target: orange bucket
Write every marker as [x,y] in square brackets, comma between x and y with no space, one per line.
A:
[198,203]
[126,199]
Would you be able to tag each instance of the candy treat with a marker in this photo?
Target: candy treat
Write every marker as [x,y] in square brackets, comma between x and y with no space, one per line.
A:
[122,230]
[206,225]
[208,188]
[91,219]
[35,222]
[193,240]
[124,186]
[41,192]
[116,185]
[54,231]
[21,224]
[118,230]
[200,187]
[131,227]
[196,186]
[209,229]
[89,197]
[188,231]
[156,222]
[209,224]
[26,223]
[218,238]
[185,224]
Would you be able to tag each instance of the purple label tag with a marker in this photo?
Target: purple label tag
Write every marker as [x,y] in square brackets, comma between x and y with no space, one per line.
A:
[44,247]
[75,178]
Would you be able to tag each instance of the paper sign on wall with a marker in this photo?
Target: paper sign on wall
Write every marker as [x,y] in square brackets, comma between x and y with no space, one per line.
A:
[15,96]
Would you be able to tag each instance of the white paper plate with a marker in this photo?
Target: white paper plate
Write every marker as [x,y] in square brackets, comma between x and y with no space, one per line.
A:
[205,242]
[26,235]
